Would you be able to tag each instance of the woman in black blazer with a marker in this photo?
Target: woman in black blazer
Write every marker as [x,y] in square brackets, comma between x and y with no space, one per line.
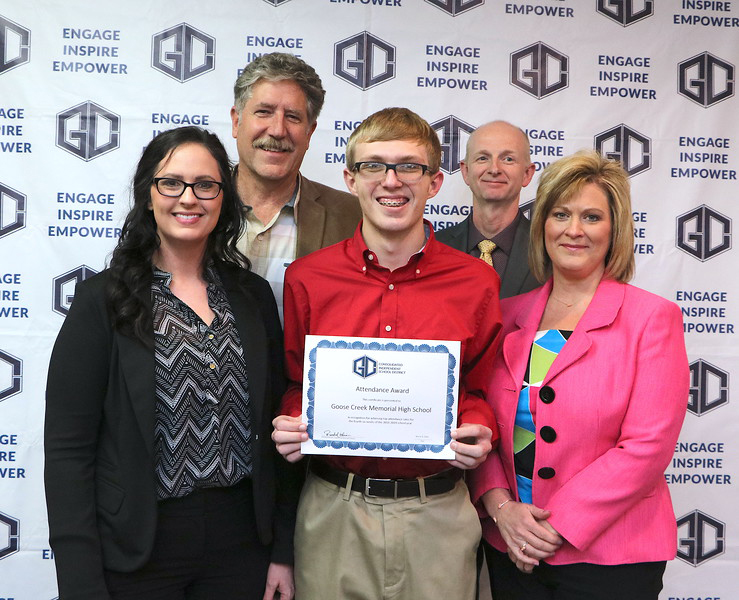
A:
[161,478]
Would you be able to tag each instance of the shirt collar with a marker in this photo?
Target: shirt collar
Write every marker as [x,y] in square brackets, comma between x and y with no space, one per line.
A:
[164,279]
[363,256]
[292,203]
[503,241]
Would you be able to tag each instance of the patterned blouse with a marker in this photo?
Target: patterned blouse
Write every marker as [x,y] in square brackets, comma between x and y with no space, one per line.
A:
[545,348]
[202,434]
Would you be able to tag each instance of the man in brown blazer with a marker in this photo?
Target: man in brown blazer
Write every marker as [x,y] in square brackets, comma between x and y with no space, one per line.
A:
[277,100]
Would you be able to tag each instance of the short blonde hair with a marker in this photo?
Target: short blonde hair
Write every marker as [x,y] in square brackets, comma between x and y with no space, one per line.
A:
[566,178]
[391,124]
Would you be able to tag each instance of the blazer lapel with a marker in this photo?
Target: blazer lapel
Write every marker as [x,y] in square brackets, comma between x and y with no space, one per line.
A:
[253,339]
[518,263]
[601,312]
[311,219]
[459,237]
[137,368]
[517,343]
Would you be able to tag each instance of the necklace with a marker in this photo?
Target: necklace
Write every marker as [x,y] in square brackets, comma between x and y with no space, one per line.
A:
[567,304]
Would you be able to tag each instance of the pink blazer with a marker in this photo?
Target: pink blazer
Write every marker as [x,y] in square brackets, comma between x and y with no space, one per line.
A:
[615,397]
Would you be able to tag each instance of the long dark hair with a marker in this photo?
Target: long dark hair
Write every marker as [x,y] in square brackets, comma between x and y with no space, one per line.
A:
[131,262]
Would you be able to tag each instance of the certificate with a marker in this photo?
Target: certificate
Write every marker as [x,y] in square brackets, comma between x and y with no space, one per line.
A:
[380,396]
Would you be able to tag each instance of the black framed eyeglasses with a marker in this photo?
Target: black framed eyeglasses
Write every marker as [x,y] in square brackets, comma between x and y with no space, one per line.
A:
[174,188]
[405,172]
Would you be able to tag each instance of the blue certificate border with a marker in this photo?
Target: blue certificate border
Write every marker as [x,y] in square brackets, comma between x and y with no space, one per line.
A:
[379,347]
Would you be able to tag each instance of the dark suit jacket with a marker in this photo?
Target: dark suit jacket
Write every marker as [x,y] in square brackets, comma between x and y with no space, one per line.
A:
[99,436]
[517,278]
[325,216]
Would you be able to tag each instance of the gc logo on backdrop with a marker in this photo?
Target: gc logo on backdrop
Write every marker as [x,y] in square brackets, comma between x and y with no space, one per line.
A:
[64,286]
[631,148]
[700,537]
[703,233]
[709,387]
[539,70]
[11,375]
[88,130]
[706,79]
[276,2]
[364,60]
[15,45]
[625,12]
[12,210]
[456,7]
[453,134]
[10,539]
[183,52]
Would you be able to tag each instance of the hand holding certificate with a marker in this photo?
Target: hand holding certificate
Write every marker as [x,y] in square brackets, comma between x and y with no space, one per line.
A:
[380,396]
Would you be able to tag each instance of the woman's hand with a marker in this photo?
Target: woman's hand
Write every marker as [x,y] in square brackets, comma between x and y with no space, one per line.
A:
[280,583]
[520,565]
[524,528]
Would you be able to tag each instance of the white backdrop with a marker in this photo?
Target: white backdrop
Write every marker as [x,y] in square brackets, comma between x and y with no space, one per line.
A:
[84,85]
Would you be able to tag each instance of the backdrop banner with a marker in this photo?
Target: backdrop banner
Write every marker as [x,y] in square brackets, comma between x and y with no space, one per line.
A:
[85,85]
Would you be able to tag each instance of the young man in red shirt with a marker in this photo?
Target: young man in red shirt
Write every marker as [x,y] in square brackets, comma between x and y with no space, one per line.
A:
[359,534]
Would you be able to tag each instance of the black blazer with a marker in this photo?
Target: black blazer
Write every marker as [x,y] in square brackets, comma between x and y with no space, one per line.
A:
[99,436]
[517,278]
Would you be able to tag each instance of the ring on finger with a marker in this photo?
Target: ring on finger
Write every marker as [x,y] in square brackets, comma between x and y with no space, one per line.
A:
[523,548]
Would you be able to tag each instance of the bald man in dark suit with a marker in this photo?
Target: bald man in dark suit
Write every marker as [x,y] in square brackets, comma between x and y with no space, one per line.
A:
[497,165]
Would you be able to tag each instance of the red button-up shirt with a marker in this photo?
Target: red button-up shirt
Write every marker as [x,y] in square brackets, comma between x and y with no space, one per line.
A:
[441,294]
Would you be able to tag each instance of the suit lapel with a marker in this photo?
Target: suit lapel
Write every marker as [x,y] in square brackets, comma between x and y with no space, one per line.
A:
[311,218]
[137,367]
[601,312]
[252,335]
[460,235]
[518,262]
[517,343]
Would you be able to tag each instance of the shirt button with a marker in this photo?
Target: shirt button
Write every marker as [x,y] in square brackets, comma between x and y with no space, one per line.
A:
[212,365]
[364,268]
[388,328]
[391,287]
[260,237]
[210,336]
[371,256]
[418,271]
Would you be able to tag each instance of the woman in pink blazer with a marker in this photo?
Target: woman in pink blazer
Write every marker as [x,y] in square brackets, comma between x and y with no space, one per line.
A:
[589,390]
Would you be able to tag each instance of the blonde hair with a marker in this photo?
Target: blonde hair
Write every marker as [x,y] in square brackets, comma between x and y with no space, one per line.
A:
[566,178]
[391,124]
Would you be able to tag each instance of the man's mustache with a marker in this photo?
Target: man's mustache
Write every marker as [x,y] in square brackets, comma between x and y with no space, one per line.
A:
[273,145]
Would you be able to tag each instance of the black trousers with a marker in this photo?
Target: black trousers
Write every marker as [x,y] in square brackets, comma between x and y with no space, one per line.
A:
[206,547]
[580,581]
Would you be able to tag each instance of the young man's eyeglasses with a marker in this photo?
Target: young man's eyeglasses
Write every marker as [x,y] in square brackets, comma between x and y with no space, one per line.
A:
[174,188]
[376,171]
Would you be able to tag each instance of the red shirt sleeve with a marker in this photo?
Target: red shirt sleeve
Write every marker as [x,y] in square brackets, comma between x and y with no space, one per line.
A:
[477,366]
